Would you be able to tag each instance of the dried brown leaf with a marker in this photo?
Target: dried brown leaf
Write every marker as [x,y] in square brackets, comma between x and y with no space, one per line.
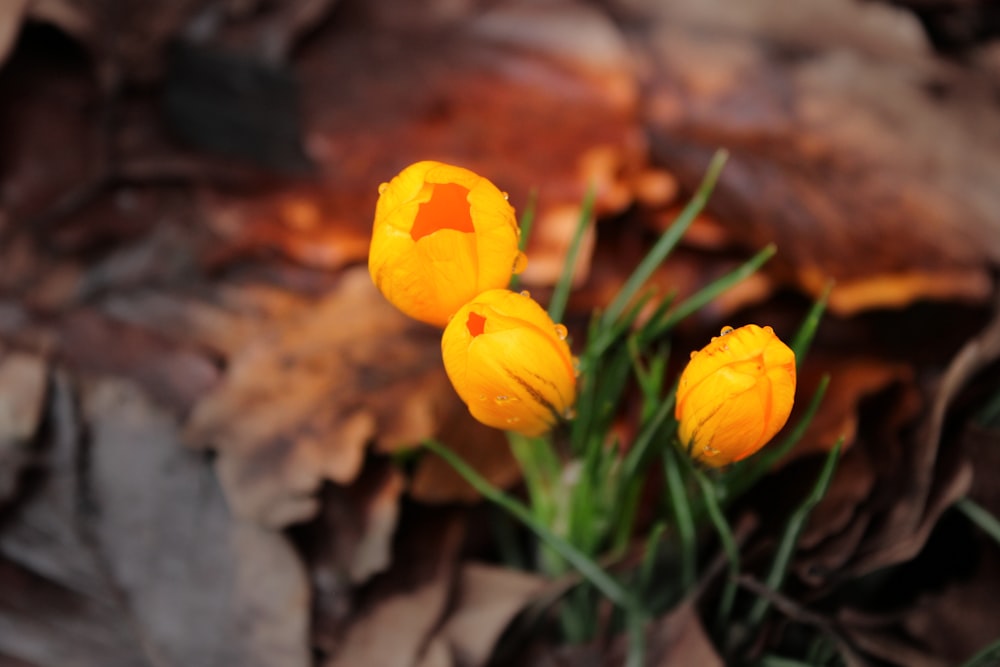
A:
[410,600]
[488,598]
[92,557]
[307,392]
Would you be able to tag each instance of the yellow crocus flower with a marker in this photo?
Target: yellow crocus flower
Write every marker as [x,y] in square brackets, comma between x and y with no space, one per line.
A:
[735,394]
[510,363]
[442,235]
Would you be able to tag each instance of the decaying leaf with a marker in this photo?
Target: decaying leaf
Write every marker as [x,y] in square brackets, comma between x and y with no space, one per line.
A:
[678,638]
[306,393]
[411,600]
[487,599]
[91,564]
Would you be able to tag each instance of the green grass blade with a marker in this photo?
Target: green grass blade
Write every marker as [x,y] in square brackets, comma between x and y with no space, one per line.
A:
[587,568]
[668,240]
[988,657]
[704,296]
[807,331]
[728,542]
[790,537]
[526,224]
[778,661]
[649,559]
[746,473]
[683,517]
[978,515]
[560,295]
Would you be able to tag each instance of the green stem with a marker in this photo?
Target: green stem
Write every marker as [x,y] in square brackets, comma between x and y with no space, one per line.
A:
[590,570]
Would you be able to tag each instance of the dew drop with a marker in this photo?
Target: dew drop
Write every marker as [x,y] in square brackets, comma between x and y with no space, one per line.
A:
[726,330]
[561,332]
[513,420]
[506,197]
[520,262]
[382,188]
[694,354]
[483,397]
[576,366]
[569,413]
[525,293]
[501,399]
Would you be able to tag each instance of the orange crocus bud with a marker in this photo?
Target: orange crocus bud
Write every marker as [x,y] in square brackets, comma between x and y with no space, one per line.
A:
[735,394]
[442,235]
[510,363]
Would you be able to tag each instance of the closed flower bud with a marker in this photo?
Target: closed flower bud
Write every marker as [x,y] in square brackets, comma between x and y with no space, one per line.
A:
[510,363]
[442,235]
[735,394]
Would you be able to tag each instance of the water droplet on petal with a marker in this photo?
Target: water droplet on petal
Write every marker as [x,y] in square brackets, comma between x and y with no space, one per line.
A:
[506,196]
[382,187]
[726,330]
[520,262]
[525,293]
[502,399]
[561,332]
[694,354]
[483,397]
[576,366]
[513,420]
[569,413]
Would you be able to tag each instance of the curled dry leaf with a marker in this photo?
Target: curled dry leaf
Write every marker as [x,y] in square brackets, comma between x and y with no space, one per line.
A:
[92,553]
[842,151]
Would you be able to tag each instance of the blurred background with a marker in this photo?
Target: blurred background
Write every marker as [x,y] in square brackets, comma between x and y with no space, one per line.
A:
[208,413]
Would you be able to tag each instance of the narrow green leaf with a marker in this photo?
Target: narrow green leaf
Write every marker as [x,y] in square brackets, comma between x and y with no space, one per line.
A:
[526,224]
[790,536]
[683,517]
[804,336]
[728,541]
[978,515]
[707,294]
[745,474]
[560,295]
[668,240]
[590,570]
[778,661]
[988,657]
[649,558]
